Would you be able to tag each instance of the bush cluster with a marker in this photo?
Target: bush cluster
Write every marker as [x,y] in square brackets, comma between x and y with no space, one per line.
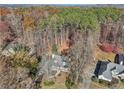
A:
[49,83]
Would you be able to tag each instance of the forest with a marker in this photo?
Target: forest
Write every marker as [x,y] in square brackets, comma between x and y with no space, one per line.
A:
[33,39]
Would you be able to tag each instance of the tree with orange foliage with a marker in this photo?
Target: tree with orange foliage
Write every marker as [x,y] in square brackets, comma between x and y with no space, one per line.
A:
[4,11]
[28,22]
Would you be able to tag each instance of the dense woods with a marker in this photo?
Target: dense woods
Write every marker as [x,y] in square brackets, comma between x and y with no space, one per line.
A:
[65,31]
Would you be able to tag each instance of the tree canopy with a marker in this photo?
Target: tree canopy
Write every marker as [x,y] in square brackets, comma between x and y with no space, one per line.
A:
[83,18]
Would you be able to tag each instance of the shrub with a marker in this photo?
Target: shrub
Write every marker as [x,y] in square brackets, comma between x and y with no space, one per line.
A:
[19,47]
[69,84]
[49,83]
[122,80]
[103,82]
[94,78]
[54,48]
[111,84]
[22,59]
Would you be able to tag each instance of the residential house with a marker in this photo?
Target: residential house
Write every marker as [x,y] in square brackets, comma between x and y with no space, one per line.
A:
[58,64]
[107,70]
[8,50]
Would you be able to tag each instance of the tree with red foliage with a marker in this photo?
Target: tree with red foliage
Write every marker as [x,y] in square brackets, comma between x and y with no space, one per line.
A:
[4,27]
[6,35]
[106,47]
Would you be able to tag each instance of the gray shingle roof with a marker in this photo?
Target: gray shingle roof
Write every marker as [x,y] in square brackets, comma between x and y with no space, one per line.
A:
[106,68]
[103,67]
[108,75]
[119,59]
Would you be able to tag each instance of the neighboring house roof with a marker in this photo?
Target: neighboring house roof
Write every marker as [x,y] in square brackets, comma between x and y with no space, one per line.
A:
[8,50]
[119,68]
[100,69]
[106,70]
[119,59]
[107,75]
[13,47]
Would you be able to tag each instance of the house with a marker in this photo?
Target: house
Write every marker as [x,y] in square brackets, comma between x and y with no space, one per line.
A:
[8,50]
[57,65]
[119,59]
[12,48]
[107,70]
[52,66]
